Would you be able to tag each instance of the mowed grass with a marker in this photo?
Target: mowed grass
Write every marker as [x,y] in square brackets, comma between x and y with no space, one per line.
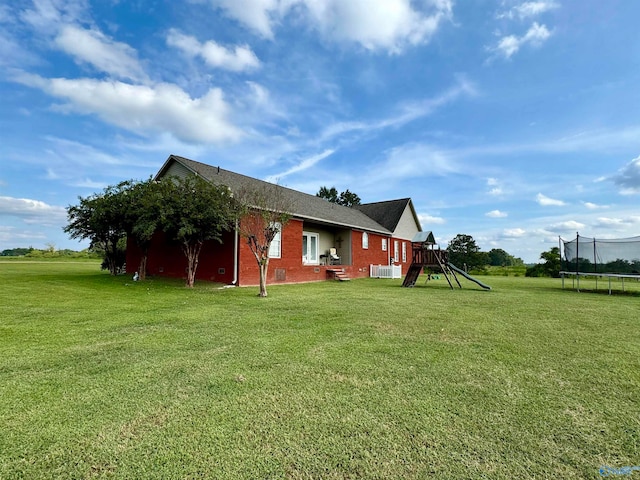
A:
[101,377]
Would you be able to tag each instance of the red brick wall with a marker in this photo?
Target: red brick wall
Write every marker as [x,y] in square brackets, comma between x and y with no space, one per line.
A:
[291,261]
[363,258]
[216,260]
[407,263]
[167,259]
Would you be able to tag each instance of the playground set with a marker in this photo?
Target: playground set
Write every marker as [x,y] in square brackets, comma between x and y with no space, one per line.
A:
[426,255]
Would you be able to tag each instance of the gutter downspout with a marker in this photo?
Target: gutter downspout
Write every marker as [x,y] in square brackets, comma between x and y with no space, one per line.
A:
[235,256]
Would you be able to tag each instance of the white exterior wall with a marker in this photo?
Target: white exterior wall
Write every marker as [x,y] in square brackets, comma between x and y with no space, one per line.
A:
[407,227]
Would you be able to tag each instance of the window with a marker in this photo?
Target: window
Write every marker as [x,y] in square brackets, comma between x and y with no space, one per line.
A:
[310,248]
[274,248]
[396,255]
[384,244]
[365,240]
[404,251]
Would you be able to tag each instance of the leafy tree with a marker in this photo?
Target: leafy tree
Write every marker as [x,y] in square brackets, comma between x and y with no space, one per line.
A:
[141,218]
[196,211]
[500,258]
[463,250]
[266,212]
[98,218]
[346,198]
[329,194]
[550,267]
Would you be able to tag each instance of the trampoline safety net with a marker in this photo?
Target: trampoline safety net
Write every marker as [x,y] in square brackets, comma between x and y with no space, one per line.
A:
[590,255]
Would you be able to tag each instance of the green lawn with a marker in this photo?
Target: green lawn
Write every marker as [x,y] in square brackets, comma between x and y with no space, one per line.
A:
[101,377]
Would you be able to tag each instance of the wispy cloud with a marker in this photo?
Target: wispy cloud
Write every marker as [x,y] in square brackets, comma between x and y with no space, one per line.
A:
[94,48]
[594,206]
[511,44]
[546,201]
[303,165]
[528,9]
[46,16]
[408,112]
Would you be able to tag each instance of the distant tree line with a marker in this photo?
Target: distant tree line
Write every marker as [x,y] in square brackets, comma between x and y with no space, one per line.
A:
[49,252]
[465,253]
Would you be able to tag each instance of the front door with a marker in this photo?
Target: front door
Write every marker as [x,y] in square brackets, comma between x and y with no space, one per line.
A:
[310,243]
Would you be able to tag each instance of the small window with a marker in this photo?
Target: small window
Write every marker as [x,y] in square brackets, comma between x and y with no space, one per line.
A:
[404,252]
[384,244]
[396,253]
[365,240]
[275,247]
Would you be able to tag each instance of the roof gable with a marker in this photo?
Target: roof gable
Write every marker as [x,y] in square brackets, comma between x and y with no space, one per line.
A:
[309,207]
[390,212]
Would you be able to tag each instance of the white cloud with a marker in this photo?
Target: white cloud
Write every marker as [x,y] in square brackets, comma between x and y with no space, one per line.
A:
[496,214]
[32,211]
[513,233]
[546,201]
[411,160]
[142,109]
[426,220]
[105,54]
[381,25]
[46,16]
[616,223]
[569,225]
[239,59]
[529,9]
[495,188]
[593,206]
[628,178]
[303,165]
[408,112]
[511,44]
[258,15]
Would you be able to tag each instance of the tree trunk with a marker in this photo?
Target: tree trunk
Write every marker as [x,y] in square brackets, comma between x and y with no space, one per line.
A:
[142,268]
[264,267]
[192,252]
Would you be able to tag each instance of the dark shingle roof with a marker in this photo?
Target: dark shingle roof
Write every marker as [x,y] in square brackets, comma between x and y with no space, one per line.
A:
[305,206]
[386,213]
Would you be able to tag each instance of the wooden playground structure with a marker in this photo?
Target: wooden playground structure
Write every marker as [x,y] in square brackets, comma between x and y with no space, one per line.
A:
[426,255]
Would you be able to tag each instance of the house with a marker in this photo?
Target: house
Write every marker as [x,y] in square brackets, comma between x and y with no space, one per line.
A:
[371,234]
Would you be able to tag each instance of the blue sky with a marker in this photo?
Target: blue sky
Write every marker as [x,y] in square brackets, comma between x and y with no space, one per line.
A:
[514,122]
